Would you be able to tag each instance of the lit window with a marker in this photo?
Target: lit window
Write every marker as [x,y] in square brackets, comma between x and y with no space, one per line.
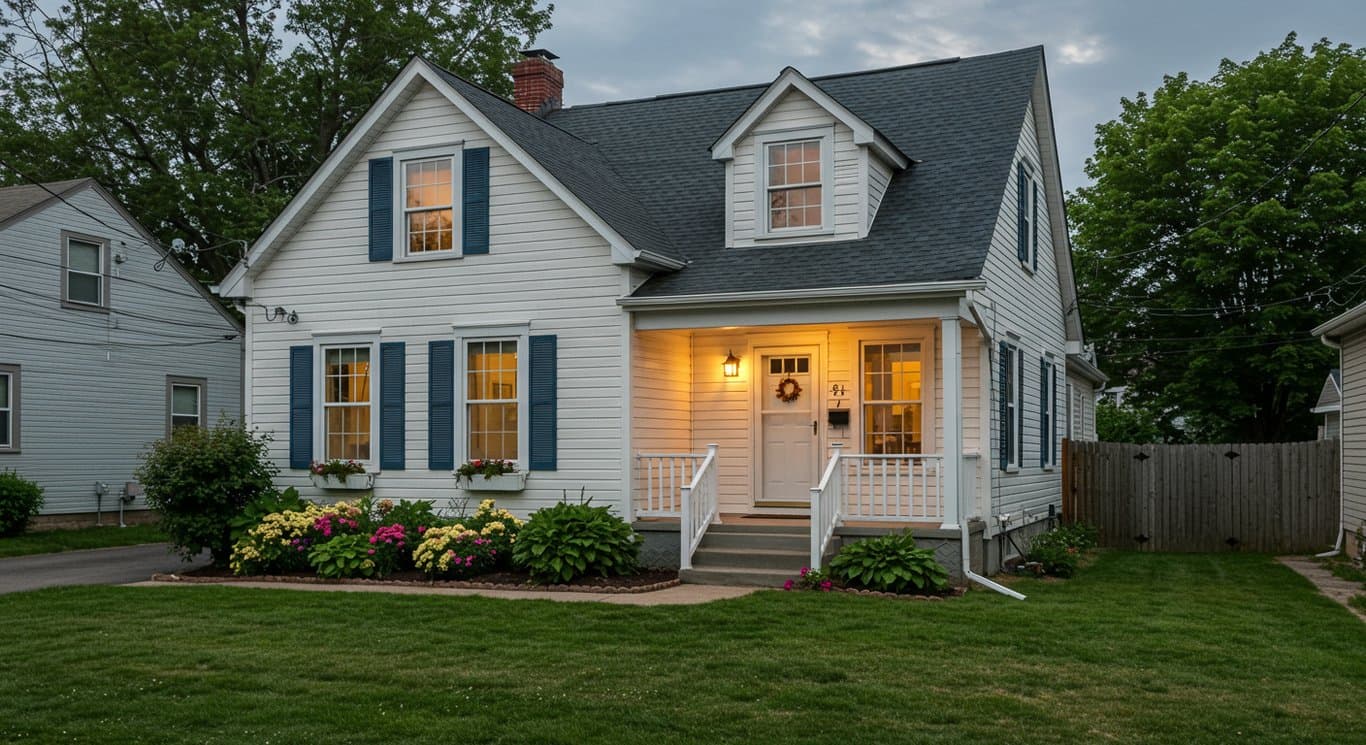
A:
[491,399]
[9,408]
[429,205]
[184,402]
[85,272]
[795,197]
[346,403]
[892,398]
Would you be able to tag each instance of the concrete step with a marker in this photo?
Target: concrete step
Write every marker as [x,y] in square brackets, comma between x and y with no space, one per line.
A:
[775,541]
[798,527]
[776,560]
[735,577]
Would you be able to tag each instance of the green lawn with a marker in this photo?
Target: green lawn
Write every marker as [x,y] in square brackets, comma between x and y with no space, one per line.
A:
[52,541]
[1138,648]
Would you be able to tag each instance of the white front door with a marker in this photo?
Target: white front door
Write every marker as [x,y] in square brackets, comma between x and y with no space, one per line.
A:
[788,429]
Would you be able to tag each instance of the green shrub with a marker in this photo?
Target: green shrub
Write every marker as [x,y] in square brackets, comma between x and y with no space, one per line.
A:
[266,504]
[20,500]
[348,555]
[889,563]
[199,479]
[1058,552]
[415,517]
[498,526]
[454,551]
[567,541]
[1080,536]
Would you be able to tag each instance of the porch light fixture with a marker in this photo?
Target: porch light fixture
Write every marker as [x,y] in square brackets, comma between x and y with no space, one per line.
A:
[731,367]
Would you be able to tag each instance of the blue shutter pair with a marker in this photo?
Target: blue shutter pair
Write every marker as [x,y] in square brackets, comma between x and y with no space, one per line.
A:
[391,406]
[474,205]
[543,387]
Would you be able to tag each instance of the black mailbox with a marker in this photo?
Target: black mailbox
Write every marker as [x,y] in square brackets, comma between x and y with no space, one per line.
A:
[837,417]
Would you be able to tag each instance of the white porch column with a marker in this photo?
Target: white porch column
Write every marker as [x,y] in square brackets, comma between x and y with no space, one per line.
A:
[952,375]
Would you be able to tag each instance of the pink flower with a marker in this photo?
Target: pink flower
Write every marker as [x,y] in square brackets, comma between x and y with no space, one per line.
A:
[787,585]
[374,538]
[805,570]
[825,586]
[372,552]
[422,528]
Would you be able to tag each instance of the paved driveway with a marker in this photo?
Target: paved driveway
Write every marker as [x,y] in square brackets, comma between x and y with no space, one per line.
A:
[101,566]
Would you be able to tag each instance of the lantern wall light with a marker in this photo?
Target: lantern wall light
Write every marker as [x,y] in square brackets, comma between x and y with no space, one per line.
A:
[731,367]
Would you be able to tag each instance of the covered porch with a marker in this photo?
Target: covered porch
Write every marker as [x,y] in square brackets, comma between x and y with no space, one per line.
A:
[851,423]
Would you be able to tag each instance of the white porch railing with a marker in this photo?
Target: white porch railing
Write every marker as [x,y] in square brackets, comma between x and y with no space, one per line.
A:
[825,508]
[893,488]
[660,479]
[700,507]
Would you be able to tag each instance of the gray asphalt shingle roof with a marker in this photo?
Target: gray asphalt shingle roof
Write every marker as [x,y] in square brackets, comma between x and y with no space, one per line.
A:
[644,167]
[15,200]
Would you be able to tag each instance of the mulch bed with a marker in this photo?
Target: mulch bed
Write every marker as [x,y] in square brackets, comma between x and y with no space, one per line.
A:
[648,580]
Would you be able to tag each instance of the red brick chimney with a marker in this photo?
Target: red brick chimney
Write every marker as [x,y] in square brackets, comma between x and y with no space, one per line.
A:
[537,84]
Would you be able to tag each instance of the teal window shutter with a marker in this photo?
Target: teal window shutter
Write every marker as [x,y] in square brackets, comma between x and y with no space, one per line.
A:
[1019,415]
[544,432]
[391,427]
[1034,226]
[1021,204]
[1004,405]
[441,405]
[382,209]
[1045,442]
[475,201]
[300,406]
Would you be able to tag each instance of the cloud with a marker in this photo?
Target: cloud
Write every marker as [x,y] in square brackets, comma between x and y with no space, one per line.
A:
[1082,51]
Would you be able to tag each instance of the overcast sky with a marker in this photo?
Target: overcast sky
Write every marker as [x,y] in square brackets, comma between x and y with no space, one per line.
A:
[1097,51]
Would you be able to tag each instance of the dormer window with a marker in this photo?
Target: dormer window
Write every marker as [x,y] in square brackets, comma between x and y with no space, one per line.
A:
[795,191]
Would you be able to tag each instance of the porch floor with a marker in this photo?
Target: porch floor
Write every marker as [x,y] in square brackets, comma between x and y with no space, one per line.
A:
[796,521]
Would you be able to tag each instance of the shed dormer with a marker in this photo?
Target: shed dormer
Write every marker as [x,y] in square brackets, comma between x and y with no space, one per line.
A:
[802,168]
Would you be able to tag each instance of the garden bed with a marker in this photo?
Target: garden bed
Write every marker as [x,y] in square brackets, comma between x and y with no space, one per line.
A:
[649,580]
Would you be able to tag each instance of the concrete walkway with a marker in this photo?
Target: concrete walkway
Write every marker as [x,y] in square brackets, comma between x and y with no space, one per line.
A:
[678,595]
[1336,588]
[98,566]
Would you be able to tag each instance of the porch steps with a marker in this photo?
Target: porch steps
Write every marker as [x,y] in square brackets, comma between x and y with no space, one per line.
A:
[749,555]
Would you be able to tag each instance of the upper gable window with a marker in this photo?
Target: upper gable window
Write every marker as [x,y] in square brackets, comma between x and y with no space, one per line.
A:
[1027,216]
[428,197]
[85,272]
[795,187]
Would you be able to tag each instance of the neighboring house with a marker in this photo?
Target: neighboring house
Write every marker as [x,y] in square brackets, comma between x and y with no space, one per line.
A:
[106,344]
[1347,333]
[1329,406]
[1114,394]
[1084,379]
[855,289]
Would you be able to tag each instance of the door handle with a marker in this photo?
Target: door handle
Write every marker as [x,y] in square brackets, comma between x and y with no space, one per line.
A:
[814,431]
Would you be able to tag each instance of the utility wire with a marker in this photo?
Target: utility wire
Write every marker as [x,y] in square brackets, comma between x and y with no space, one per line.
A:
[117,311]
[113,343]
[106,327]
[111,275]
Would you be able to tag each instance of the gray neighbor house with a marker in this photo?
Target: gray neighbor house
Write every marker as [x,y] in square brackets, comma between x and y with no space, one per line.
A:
[106,343]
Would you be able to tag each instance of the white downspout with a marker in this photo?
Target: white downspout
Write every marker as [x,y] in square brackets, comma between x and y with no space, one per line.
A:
[975,577]
[1342,501]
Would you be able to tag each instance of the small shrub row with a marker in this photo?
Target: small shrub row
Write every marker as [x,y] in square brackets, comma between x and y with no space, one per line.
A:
[887,563]
[20,500]
[1058,552]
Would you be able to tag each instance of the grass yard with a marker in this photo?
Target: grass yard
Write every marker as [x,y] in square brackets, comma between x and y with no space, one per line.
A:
[52,541]
[1138,648]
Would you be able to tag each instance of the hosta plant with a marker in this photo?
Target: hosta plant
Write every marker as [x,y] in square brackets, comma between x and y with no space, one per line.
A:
[889,563]
[568,541]
[344,556]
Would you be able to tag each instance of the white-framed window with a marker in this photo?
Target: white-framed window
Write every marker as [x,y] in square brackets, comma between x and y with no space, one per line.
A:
[348,394]
[1013,427]
[85,272]
[492,374]
[893,397]
[1048,407]
[427,196]
[9,408]
[186,402]
[795,182]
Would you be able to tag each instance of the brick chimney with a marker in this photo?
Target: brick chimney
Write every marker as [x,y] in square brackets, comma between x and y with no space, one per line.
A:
[537,84]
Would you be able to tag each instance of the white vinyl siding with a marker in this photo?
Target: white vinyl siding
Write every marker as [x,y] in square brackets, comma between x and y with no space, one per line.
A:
[879,176]
[548,271]
[93,401]
[1353,433]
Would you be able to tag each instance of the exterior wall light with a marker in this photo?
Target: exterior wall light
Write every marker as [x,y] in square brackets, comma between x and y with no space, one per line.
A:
[731,367]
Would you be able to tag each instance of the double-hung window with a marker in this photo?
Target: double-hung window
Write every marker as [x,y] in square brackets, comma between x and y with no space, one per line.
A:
[85,272]
[1027,215]
[186,400]
[1048,407]
[795,178]
[428,204]
[493,413]
[347,402]
[9,408]
[1012,428]
[893,391]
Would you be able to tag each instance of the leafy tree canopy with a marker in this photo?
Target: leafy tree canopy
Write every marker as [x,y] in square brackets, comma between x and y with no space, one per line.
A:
[206,116]
[1226,219]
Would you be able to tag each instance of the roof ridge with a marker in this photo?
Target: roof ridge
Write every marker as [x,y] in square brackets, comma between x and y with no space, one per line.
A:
[473,84]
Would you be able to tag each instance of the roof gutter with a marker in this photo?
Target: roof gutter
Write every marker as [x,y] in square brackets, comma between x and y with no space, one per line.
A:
[653,260]
[909,291]
[1341,325]
[1083,367]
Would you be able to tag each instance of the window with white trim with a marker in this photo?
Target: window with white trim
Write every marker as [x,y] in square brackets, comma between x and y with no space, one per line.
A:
[429,191]
[794,182]
[348,411]
[9,408]
[85,272]
[493,414]
[1013,427]
[1048,406]
[185,402]
[893,398]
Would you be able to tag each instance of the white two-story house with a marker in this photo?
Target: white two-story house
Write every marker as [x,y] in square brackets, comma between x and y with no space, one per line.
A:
[806,308]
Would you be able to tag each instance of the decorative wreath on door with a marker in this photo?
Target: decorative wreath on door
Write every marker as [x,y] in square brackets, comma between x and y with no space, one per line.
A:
[789,390]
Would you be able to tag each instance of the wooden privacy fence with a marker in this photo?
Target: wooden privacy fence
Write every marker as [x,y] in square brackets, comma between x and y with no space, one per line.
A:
[1274,497]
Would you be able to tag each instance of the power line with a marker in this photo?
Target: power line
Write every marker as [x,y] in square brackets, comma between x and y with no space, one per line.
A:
[118,311]
[114,343]
[111,275]
[1189,312]
[1194,350]
[106,327]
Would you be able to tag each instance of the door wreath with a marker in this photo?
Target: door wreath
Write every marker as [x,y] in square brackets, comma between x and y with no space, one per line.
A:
[789,390]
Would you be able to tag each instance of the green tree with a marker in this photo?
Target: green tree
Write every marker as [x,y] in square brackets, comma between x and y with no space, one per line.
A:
[206,116]
[1127,424]
[1227,217]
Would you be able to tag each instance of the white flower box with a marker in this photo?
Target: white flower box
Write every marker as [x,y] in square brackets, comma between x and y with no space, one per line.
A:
[352,482]
[502,482]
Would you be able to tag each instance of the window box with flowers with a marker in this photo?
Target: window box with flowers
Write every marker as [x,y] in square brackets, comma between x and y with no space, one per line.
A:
[341,475]
[490,474]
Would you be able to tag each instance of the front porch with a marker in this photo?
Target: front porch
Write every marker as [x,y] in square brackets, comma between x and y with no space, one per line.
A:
[885,430]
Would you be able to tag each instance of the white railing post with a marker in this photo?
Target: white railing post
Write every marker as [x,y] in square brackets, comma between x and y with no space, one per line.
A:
[950,479]
[685,529]
[714,482]
[816,549]
[826,507]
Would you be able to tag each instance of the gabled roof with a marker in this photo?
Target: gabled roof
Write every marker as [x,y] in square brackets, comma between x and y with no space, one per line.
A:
[1330,396]
[17,201]
[959,118]
[792,80]
[1353,319]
